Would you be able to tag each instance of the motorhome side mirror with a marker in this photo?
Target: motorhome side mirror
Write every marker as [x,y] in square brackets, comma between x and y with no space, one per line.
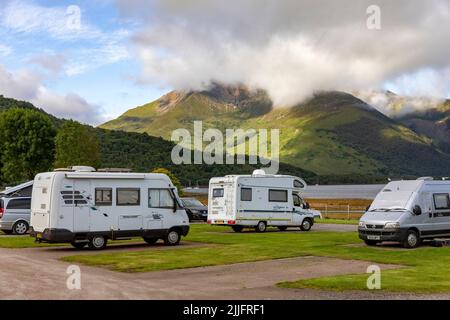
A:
[367,208]
[417,210]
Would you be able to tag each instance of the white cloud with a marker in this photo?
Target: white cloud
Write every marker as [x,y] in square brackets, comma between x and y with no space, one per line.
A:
[5,50]
[86,48]
[27,17]
[25,85]
[290,48]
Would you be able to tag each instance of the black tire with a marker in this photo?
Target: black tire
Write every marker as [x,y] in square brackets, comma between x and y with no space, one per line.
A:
[150,241]
[371,242]
[306,224]
[78,245]
[283,228]
[237,228]
[20,227]
[97,243]
[412,240]
[261,226]
[7,231]
[172,238]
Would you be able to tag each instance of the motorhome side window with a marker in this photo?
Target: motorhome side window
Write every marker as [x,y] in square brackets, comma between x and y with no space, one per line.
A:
[128,197]
[246,194]
[441,201]
[103,196]
[278,195]
[160,198]
[217,192]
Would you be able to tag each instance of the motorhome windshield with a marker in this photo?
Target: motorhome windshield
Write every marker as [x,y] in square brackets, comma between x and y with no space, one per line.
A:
[388,200]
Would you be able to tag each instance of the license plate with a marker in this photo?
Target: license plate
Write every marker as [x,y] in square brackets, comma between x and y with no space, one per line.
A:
[373,237]
[219,221]
[39,236]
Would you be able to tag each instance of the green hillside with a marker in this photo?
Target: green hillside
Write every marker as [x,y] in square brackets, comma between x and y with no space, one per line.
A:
[333,133]
[143,153]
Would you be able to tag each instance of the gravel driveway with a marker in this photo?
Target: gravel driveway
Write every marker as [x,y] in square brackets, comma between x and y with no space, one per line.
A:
[36,273]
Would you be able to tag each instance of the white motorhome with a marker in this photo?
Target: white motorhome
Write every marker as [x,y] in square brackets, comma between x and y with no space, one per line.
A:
[408,211]
[258,200]
[82,207]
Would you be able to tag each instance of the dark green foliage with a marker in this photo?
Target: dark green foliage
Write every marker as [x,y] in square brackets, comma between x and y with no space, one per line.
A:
[76,144]
[26,143]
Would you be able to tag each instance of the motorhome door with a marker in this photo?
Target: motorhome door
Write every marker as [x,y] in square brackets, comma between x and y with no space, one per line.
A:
[82,198]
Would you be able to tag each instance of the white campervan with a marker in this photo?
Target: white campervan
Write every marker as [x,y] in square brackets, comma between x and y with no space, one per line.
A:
[258,200]
[408,211]
[81,206]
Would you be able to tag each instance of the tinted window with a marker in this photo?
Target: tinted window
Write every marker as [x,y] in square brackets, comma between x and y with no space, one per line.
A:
[278,195]
[19,204]
[298,184]
[218,193]
[441,201]
[246,194]
[128,197]
[297,201]
[103,196]
[160,198]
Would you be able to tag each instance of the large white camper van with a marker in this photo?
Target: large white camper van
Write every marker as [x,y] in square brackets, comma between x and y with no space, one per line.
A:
[408,211]
[258,200]
[82,207]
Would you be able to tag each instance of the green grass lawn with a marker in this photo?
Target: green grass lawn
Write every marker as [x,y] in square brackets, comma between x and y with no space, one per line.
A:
[337,221]
[424,269]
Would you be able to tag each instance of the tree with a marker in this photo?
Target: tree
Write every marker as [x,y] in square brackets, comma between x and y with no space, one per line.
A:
[76,144]
[26,144]
[176,182]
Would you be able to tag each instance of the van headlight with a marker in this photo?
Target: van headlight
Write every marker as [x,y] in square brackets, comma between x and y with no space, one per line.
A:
[362,224]
[392,225]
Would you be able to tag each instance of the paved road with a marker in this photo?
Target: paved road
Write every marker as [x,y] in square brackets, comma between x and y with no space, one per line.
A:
[36,273]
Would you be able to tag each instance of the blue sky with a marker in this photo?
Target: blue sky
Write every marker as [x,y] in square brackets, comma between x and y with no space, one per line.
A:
[127,53]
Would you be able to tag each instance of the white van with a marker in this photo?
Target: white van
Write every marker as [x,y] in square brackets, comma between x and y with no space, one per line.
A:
[86,207]
[408,211]
[258,200]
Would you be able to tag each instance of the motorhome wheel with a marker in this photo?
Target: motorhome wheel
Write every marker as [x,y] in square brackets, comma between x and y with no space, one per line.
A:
[172,238]
[97,243]
[412,240]
[261,226]
[237,228]
[150,240]
[306,225]
[20,227]
[78,245]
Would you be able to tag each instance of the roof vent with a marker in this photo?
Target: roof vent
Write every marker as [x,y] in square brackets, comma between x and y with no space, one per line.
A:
[82,169]
[259,172]
[425,178]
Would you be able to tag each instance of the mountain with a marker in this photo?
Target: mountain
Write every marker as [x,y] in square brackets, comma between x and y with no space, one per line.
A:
[433,123]
[332,134]
[143,153]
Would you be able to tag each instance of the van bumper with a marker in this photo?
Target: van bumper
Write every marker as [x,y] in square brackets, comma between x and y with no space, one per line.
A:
[53,235]
[396,235]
